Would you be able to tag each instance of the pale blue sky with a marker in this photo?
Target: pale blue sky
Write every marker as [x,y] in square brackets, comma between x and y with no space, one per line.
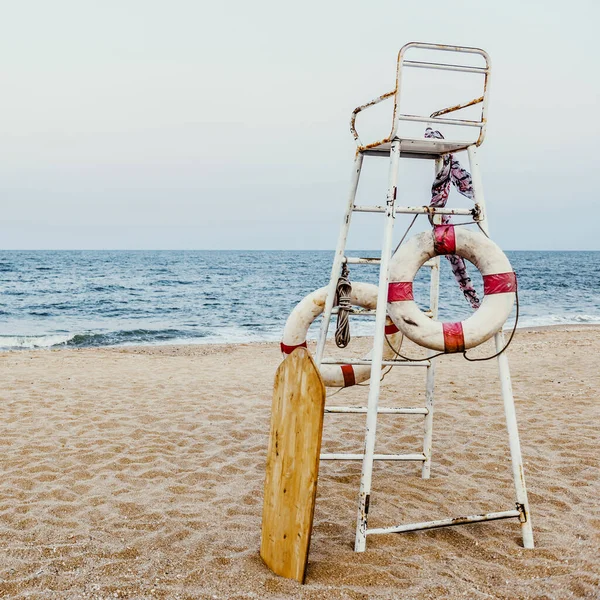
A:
[187,124]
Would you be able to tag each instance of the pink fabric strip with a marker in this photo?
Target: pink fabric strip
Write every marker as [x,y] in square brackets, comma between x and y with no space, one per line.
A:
[454,339]
[399,291]
[289,349]
[348,373]
[390,329]
[499,283]
[444,239]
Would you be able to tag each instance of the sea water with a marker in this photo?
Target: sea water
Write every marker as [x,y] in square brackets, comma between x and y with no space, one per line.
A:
[52,299]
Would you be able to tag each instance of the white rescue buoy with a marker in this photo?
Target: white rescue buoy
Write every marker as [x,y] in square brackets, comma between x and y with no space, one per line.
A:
[499,283]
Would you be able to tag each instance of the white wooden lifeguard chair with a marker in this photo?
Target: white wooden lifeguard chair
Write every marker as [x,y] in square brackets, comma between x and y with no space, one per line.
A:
[396,146]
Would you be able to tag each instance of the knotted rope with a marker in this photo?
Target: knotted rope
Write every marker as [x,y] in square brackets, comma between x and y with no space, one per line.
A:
[342,301]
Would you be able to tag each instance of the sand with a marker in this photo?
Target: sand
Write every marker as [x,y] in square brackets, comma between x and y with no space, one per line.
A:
[138,473]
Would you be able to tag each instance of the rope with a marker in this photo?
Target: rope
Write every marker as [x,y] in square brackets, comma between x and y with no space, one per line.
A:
[342,301]
[512,334]
[405,233]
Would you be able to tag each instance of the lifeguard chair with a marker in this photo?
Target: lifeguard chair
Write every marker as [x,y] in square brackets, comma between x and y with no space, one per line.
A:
[396,145]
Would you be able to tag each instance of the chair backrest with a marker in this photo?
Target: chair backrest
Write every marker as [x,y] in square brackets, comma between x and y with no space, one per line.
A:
[403,63]
[436,117]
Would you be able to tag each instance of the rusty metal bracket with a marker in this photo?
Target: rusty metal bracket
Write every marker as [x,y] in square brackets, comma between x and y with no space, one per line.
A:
[522,512]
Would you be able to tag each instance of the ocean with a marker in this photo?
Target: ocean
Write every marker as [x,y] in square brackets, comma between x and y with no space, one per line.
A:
[56,299]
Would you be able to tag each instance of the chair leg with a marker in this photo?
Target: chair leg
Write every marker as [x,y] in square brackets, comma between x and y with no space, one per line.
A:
[515,446]
[377,355]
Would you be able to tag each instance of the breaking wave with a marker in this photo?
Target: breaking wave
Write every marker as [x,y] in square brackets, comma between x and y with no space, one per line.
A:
[90,339]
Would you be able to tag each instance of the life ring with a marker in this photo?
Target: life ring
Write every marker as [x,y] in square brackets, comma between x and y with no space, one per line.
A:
[308,309]
[499,288]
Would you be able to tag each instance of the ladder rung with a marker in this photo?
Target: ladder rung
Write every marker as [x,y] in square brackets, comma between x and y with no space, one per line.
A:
[444,66]
[367,312]
[507,514]
[384,363]
[359,312]
[402,457]
[417,210]
[444,120]
[380,411]
[359,260]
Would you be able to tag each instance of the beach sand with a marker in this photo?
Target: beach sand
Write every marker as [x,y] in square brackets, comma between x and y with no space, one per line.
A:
[138,473]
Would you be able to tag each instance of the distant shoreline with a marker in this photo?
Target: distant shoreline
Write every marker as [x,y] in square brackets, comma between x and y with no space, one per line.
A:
[217,346]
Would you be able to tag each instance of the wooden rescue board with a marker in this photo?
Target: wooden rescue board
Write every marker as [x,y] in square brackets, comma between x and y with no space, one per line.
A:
[292,465]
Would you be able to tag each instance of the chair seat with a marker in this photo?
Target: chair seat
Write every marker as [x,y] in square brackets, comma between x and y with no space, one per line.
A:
[416,148]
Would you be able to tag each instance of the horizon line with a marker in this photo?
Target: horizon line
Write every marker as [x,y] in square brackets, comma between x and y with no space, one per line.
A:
[247,250]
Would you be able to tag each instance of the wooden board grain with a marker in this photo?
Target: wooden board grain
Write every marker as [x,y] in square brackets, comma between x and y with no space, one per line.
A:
[292,465]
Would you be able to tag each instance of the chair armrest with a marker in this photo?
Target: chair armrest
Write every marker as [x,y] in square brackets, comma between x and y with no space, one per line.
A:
[362,107]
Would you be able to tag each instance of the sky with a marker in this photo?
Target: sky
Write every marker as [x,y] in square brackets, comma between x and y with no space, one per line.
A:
[184,124]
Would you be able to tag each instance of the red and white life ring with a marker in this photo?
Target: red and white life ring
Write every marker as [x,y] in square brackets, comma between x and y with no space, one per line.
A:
[308,309]
[499,284]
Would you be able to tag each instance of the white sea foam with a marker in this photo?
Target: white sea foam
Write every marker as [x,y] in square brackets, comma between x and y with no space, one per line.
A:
[566,319]
[30,342]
